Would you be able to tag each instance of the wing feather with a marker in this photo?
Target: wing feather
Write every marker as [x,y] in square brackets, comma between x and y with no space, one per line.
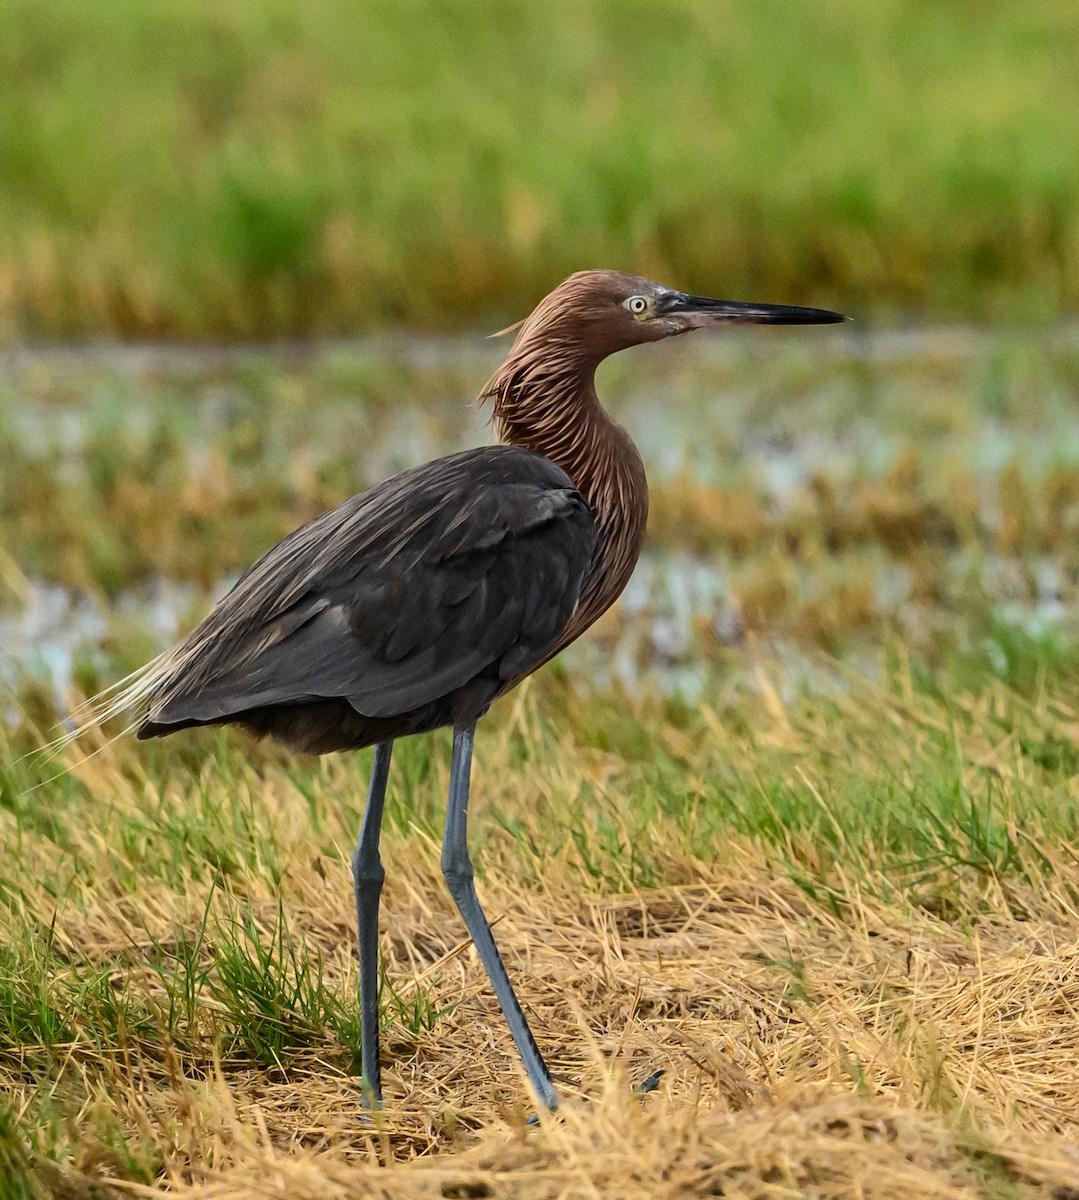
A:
[468,567]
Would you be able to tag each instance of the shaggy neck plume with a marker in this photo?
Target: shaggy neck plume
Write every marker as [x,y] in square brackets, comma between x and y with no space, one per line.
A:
[545,400]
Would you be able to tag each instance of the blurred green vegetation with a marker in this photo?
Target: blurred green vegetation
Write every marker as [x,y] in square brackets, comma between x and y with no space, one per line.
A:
[187,169]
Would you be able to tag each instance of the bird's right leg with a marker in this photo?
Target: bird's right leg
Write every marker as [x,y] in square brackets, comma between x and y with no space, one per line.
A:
[367,875]
[457,870]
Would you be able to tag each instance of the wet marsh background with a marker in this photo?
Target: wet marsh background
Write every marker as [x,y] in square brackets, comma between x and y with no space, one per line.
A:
[797,821]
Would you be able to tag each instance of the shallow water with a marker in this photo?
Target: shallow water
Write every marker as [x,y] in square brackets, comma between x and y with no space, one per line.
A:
[791,404]
[762,415]
[677,626]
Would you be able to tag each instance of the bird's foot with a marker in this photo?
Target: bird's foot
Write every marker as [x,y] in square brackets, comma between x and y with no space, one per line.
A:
[370,1095]
[648,1084]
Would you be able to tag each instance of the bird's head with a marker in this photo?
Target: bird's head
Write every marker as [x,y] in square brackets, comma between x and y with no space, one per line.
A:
[600,312]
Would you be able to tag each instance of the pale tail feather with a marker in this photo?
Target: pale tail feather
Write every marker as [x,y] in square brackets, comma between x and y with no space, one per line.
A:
[124,696]
[51,749]
[127,695]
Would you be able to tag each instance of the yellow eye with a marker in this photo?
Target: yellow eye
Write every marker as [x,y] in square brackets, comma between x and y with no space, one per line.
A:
[638,305]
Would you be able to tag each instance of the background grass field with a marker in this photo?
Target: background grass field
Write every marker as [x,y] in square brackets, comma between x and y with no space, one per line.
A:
[274,168]
[796,823]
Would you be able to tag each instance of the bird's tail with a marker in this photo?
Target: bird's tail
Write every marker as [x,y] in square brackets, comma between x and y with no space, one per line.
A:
[127,696]
[130,695]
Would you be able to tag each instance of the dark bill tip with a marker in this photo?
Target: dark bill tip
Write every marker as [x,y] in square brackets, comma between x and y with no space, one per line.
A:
[705,311]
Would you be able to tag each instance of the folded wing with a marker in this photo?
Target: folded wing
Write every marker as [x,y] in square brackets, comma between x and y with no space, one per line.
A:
[467,568]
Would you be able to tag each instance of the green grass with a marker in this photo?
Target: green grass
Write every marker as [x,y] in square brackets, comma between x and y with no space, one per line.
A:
[279,169]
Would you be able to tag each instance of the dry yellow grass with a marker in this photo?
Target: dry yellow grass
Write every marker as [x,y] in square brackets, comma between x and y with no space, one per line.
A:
[865,1041]
[899,1059]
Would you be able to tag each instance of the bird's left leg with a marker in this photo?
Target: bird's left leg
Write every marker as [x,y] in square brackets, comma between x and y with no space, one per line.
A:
[367,876]
[457,870]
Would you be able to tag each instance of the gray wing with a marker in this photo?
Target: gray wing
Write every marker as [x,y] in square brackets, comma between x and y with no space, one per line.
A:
[469,566]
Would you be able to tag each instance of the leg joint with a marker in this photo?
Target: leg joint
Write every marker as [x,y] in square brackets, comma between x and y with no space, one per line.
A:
[368,869]
[457,871]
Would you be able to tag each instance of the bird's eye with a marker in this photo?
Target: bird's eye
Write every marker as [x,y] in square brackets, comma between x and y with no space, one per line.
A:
[638,305]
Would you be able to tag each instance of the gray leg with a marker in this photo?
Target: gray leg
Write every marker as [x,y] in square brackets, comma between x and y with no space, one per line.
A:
[367,875]
[457,869]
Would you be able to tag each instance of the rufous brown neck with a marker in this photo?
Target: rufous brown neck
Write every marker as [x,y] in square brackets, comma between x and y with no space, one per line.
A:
[545,400]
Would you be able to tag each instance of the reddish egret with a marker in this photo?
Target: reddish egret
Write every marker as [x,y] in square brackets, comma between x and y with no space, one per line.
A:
[417,603]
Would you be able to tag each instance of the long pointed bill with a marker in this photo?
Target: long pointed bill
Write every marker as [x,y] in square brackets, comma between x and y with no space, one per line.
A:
[696,311]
